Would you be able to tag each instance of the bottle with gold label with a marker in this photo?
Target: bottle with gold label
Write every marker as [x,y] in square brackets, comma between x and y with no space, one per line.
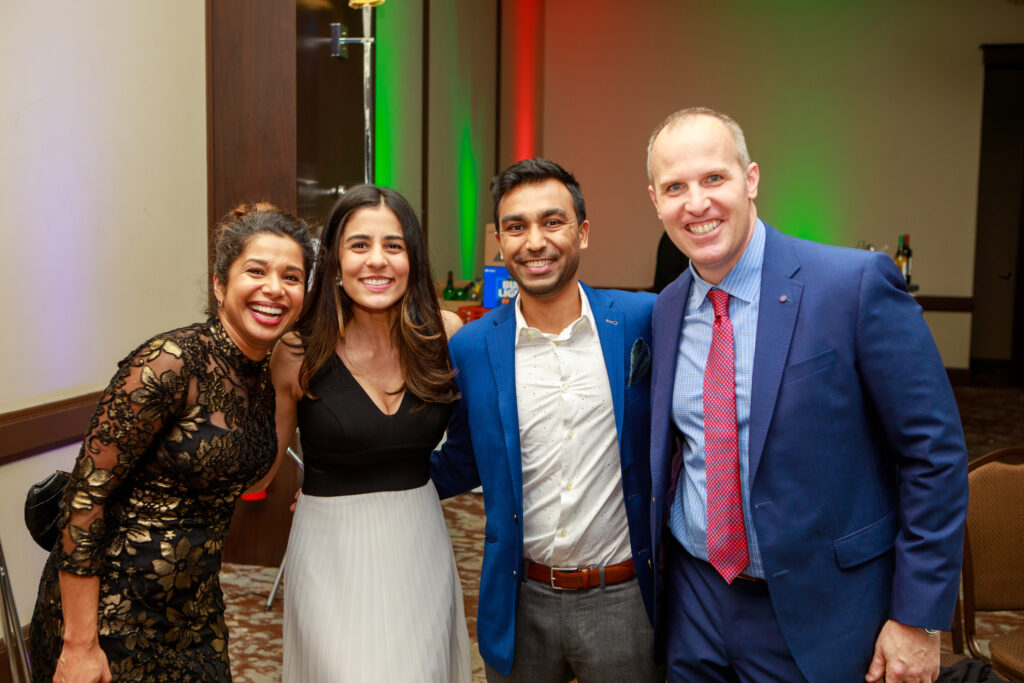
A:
[901,260]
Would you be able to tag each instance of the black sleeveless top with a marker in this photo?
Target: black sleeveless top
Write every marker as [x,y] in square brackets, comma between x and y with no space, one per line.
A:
[349,446]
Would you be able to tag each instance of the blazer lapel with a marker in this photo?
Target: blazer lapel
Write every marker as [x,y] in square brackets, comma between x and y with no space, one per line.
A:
[776,319]
[611,330]
[668,326]
[501,350]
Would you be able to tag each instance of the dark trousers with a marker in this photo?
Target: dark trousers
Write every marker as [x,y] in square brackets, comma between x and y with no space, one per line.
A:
[718,632]
[598,635]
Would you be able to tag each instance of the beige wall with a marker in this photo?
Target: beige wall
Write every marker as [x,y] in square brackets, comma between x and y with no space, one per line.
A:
[461,151]
[102,206]
[866,115]
[102,186]
[401,24]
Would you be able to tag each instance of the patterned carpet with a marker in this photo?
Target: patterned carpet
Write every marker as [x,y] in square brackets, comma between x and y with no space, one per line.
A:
[992,417]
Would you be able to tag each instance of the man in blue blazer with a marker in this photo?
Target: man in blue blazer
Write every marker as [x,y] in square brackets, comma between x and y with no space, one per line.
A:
[554,422]
[807,504]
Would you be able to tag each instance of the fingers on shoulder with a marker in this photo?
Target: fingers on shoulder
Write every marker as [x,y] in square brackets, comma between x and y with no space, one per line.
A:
[452,322]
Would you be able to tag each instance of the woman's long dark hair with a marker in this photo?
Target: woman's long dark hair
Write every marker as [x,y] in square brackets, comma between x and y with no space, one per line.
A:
[418,332]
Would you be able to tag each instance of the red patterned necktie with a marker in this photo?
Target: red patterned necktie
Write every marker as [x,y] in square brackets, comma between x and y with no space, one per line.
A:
[727,535]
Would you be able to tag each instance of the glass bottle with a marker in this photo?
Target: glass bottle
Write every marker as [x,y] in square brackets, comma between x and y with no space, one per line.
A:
[474,288]
[449,289]
[909,256]
[901,259]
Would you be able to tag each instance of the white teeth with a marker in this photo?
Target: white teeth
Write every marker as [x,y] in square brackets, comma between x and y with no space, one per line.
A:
[703,228]
[537,264]
[376,281]
[267,310]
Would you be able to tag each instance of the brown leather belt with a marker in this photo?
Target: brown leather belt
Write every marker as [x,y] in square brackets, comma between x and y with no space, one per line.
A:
[580,579]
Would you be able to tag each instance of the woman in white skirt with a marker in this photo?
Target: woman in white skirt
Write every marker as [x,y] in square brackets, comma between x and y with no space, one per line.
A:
[372,592]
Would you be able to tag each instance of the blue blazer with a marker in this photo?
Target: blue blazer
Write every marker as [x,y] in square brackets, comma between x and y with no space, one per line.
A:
[857,456]
[483,447]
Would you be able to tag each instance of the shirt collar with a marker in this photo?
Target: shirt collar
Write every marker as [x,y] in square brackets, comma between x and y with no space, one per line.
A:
[585,321]
[744,280]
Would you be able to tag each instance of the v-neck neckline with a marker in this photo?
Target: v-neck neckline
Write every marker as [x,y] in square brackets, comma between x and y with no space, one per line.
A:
[362,389]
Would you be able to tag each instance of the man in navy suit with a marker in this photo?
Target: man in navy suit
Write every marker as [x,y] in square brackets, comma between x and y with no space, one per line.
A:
[554,422]
[808,463]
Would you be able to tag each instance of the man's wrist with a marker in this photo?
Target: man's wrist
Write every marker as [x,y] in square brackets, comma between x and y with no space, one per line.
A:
[931,631]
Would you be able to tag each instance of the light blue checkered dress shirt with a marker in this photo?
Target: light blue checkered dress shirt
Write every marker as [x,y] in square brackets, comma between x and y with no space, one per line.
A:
[688,518]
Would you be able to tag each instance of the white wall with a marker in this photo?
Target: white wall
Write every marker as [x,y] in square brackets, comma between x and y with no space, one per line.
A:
[102,207]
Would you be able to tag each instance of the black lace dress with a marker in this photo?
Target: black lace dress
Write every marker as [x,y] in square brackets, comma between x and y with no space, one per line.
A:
[185,426]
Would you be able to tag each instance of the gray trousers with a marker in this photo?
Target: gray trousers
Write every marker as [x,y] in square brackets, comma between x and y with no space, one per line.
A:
[596,635]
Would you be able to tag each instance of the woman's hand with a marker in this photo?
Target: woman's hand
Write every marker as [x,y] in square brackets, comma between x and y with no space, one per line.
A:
[82,664]
[81,659]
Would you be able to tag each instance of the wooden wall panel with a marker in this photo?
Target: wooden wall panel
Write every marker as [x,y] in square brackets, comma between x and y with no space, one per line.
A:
[45,427]
[251,120]
[250,103]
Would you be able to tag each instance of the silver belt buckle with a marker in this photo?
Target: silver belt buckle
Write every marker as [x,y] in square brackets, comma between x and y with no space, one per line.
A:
[560,569]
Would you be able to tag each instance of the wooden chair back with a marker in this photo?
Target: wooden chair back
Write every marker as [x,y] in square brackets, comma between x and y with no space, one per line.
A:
[993,573]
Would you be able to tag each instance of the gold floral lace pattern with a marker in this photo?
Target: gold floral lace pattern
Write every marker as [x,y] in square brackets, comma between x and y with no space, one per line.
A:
[185,426]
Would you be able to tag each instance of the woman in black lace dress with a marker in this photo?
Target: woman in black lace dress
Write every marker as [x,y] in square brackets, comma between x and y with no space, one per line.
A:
[130,591]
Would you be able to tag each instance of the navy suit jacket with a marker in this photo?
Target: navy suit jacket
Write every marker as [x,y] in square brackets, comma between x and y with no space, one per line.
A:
[857,456]
[483,447]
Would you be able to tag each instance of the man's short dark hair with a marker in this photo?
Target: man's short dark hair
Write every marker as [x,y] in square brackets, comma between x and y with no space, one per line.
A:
[532,171]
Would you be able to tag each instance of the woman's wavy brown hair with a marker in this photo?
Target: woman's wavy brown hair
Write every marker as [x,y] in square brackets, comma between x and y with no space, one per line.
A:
[418,331]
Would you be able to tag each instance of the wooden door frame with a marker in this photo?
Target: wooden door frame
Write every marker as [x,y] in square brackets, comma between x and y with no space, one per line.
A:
[996,58]
[1011,56]
[250,104]
[251,155]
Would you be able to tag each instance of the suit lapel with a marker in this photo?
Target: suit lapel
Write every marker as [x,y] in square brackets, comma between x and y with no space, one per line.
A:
[501,350]
[667,328]
[611,330]
[776,319]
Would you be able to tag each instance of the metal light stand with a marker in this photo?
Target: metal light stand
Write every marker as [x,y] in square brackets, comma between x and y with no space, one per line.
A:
[339,43]
[17,653]
[280,570]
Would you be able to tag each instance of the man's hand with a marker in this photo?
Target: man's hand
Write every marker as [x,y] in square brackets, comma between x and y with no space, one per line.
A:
[904,654]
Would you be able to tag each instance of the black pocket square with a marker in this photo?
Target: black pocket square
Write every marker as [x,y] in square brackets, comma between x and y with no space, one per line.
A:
[639,362]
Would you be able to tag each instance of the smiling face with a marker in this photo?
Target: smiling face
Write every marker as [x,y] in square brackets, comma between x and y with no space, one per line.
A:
[540,239]
[702,194]
[263,293]
[373,260]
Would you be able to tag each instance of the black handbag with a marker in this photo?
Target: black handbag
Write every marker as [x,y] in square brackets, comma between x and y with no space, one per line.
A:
[42,505]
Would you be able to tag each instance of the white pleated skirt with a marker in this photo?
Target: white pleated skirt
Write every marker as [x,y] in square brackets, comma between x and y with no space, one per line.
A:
[372,593]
